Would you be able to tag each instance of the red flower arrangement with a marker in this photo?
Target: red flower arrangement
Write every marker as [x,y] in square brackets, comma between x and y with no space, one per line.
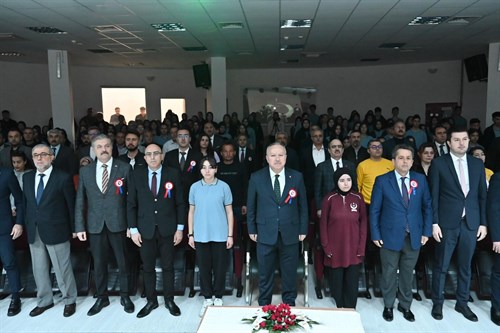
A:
[278,318]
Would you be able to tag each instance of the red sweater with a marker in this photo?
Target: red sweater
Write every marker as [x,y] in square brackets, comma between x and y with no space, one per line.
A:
[343,228]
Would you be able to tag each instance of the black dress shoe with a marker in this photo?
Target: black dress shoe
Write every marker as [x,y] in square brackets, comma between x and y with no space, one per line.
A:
[128,306]
[467,312]
[407,314]
[172,307]
[40,309]
[495,316]
[239,291]
[319,294]
[437,311]
[150,306]
[98,306]
[14,307]
[69,310]
[388,315]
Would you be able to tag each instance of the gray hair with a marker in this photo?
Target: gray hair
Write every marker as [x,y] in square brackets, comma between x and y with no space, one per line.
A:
[100,137]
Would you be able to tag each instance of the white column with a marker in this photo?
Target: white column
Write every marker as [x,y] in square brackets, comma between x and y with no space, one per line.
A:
[61,95]
[493,92]
[217,95]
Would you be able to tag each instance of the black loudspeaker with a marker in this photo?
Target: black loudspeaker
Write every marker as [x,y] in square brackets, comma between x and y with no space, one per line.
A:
[202,76]
[476,67]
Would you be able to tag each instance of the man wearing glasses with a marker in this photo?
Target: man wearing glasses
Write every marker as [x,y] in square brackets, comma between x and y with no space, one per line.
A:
[49,202]
[101,197]
[156,214]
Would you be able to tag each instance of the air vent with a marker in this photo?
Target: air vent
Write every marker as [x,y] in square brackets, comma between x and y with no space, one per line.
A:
[108,28]
[231,25]
[168,27]
[370,59]
[460,20]
[194,48]
[99,51]
[11,54]
[392,45]
[47,30]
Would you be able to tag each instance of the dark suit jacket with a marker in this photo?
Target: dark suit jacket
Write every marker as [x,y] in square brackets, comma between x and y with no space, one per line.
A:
[250,161]
[493,207]
[144,211]
[9,185]
[389,216]
[189,174]
[266,217]
[218,141]
[350,155]
[55,216]
[66,160]
[308,167]
[101,209]
[448,199]
[323,179]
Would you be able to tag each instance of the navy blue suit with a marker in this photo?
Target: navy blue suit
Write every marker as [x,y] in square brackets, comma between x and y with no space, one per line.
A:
[448,202]
[390,221]
[278,226]
[9,185]
[493,210]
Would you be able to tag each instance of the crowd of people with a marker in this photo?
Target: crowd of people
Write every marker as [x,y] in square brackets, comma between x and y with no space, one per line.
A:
[371,188]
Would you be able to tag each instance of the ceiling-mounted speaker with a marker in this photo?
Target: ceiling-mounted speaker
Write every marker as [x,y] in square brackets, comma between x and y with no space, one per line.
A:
[202,76]
[476,68]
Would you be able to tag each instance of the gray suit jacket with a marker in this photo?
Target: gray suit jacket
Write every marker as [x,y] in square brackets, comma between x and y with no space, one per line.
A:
[5,156]
[95,209]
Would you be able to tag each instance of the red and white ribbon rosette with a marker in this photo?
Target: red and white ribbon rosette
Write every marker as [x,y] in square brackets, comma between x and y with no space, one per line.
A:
[291,195]
[168,188]
[119,185]
[413,186]
[192,164]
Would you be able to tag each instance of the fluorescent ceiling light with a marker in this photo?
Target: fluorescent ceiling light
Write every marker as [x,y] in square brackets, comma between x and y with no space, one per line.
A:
[428,20]
[302,23]
[168,27]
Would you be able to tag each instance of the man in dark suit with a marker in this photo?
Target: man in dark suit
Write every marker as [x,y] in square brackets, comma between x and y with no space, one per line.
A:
[64,156]
[101,197]
[156,214]
[9,232]
[277,221]
[184,159]
[458,189]
[323,177]
[493,211]
[245,155]
[440,140]
[355,153]
[310,157]
[292,158]
[49,202]
[401,222]
[215,139]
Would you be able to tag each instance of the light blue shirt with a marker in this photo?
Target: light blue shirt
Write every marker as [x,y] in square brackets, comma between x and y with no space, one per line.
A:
[158,177]
[210,219]
[407,182]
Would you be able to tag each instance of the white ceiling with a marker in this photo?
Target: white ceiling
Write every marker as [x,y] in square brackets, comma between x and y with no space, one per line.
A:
[342,33]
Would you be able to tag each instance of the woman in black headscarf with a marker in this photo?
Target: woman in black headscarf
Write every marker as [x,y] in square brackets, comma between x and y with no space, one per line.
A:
[343,229]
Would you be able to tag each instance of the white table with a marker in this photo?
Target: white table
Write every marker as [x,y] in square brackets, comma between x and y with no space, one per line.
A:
[228,319]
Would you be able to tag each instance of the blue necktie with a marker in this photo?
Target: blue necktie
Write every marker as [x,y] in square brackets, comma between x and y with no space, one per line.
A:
[39,189]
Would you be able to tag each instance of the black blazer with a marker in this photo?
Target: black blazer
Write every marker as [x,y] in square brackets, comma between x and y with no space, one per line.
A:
[55,216]
[145,212]
[190,173]
[66,160]
[9,185]
[323,179]
[309,168]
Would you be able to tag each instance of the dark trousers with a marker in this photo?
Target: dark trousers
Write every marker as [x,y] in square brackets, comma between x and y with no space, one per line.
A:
[464,240]
[8,258]
[495,282]
[212,260]
[149,249]
[392,261]
[99,246]
[268,256]
[343,282]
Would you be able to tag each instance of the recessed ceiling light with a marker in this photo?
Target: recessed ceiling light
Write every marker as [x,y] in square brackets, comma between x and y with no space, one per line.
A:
[168,27]
[303,23]
[231,25]
[11,54]
[428,20]
[47,30]
[292,47]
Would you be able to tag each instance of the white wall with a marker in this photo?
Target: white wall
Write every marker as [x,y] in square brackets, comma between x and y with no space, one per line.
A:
[24,88]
